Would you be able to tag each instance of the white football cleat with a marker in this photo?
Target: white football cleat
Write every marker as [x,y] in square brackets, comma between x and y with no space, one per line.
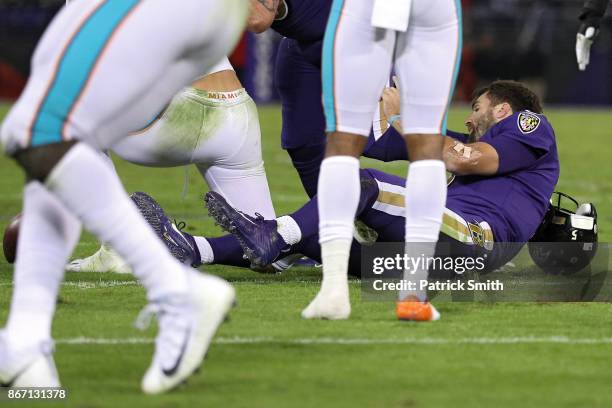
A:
[104,260]
[330,303]
[186,328]
[29,367]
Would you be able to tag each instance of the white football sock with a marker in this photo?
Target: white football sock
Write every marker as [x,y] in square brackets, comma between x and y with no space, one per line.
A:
[332,301]
[338,197]
[47,235]
[244,189]
[94,193]
[425,201]
[288,229]
[207,256]
[335,254]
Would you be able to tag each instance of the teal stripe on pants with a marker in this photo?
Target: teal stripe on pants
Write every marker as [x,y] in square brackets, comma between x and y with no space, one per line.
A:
[327,68]
[75,69]
[457,63]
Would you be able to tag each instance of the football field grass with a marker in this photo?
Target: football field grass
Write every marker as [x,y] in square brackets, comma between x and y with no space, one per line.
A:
[477,355]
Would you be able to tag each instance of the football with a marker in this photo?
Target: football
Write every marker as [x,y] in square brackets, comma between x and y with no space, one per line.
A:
[9,243]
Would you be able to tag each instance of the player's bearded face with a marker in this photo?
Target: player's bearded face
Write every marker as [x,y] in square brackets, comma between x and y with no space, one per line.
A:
[481,119]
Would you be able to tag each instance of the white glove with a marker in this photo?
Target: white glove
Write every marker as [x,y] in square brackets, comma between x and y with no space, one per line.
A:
[583,47]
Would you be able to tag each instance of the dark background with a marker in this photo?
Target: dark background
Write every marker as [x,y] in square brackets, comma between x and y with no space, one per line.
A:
[532,41]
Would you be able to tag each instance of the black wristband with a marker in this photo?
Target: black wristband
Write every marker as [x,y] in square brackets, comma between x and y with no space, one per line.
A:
[590,15]
[593,9]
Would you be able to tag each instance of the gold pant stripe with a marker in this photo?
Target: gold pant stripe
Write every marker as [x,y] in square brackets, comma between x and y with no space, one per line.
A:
[452,224]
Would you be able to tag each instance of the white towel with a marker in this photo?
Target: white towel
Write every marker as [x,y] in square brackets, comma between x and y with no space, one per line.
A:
[391,14]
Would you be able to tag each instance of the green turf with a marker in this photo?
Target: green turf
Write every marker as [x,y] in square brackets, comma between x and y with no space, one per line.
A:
[267,356]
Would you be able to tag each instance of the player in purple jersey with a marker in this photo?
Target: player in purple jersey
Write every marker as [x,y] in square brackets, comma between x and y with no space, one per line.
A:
[522,146]
[301,20]
[297,77]
[505,172]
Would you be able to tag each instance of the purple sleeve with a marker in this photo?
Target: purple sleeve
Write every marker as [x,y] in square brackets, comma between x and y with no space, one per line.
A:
[391,146]
[513,155]
[519,149]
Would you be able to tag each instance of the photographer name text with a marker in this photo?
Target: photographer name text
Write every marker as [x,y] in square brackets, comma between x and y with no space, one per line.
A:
[452,285]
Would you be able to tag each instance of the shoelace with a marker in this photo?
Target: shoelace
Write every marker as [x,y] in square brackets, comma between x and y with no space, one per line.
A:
[258,217]
[180,225]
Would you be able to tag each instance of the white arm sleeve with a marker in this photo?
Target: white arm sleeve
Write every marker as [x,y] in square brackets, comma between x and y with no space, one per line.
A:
[223,65]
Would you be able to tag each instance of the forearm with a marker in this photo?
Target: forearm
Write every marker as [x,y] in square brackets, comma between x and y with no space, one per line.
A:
[391,145]
[478,159]
[262,15]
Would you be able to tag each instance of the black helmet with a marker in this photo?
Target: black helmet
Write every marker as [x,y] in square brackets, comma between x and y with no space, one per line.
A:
[566,240]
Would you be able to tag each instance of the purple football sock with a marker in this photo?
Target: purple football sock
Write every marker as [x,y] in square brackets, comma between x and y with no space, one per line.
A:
[227,251]
[307,218]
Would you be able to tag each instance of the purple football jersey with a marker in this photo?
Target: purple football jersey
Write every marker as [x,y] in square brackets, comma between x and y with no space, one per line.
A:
[514,200]
[305,20]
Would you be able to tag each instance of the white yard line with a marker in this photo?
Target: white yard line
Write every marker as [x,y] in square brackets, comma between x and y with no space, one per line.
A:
[113,283]
[99,284]
[355,341]
[90,284]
